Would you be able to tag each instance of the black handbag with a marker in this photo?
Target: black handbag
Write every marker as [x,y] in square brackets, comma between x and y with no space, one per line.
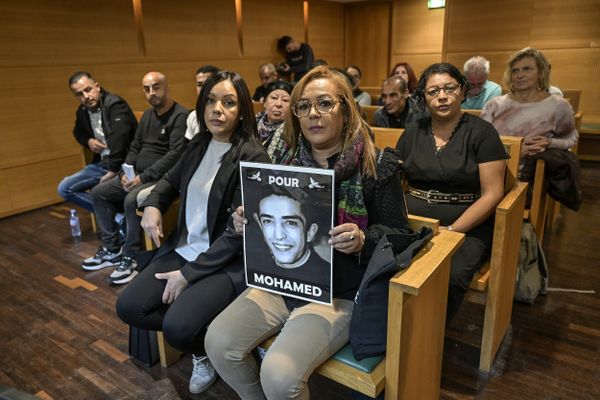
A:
[368,326]
[143,346]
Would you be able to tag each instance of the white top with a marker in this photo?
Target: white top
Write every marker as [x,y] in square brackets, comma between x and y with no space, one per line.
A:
[96,122]
[197,202]
[192,126]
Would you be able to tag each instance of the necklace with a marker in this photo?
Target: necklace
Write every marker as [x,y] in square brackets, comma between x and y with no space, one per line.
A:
[440,148]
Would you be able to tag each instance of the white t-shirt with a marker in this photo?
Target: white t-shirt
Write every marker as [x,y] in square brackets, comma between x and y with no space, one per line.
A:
[96,122]
[197,240]
[192,126]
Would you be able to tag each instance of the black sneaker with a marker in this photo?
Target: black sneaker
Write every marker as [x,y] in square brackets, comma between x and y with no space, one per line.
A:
[125,271]
[102,259]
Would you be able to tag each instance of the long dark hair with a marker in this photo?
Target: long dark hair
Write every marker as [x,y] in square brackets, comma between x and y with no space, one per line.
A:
[246,127]
[438,68]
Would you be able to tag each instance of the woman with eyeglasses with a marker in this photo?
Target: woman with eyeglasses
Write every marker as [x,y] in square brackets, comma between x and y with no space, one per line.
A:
[454,164]
[324,131]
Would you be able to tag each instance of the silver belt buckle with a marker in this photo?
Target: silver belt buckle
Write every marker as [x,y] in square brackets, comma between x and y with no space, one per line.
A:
[429,193]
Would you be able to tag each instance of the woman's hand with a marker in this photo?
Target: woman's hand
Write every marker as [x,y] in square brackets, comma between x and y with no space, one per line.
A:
[175,285]
[534,145]
[347,238]
[239,220]
[152,224]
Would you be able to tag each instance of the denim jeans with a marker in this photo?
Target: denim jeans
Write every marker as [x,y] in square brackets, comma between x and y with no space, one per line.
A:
[75,188]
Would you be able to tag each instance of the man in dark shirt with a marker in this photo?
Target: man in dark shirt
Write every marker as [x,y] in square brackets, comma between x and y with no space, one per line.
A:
[396,110]
[158,144]
[105,124]
[299,57]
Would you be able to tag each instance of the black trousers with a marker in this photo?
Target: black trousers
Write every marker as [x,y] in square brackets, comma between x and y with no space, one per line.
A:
[109,198]
[184,322]
[470,256]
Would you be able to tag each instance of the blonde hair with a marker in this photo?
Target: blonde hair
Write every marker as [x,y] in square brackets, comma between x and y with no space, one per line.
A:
[354,125]
[543,66]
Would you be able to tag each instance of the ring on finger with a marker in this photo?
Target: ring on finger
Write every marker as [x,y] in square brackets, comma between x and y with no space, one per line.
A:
[352,236]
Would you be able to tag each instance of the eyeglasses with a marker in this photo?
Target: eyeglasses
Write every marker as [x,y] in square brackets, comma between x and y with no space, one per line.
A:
[450,88]
[323,104]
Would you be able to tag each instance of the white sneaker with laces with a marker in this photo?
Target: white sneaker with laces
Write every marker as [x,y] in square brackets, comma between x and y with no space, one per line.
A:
[203,374]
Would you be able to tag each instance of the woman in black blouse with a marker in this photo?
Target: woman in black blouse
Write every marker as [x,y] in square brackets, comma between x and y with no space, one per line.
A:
[454,165]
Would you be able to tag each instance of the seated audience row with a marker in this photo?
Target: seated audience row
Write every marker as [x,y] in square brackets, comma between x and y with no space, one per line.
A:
[193,288]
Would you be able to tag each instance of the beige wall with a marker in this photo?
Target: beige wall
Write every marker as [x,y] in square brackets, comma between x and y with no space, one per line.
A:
[566,31]
[43,42]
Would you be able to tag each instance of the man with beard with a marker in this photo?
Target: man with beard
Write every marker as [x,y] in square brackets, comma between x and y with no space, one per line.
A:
[158,144]
[105,124]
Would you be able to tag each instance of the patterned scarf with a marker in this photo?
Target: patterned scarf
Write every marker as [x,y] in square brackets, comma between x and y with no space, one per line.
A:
[270,136]
[351,205]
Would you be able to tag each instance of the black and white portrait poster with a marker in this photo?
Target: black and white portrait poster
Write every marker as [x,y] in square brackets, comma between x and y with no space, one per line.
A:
[289,212]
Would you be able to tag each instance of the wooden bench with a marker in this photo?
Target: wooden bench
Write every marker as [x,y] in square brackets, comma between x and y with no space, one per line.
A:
[411,368]
[374,92]
[386,137]
[497,278]
[370,111]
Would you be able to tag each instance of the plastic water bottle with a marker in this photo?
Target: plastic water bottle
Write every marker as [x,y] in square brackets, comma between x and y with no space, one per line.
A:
[74,222]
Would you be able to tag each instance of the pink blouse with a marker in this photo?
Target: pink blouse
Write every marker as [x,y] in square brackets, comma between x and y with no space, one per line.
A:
[551,117]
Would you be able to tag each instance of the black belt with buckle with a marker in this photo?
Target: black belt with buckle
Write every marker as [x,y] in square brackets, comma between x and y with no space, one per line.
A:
[433,196]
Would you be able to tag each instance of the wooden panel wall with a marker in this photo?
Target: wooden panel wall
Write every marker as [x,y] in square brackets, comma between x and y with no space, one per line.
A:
[42,43]
[417,34]
[368,40]
[567,32]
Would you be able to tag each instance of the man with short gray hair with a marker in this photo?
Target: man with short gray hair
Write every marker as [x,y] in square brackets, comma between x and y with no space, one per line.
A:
[267,74]
[480,90]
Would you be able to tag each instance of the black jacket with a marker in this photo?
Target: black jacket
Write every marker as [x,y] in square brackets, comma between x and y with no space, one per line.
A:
[225,251]
[119,125]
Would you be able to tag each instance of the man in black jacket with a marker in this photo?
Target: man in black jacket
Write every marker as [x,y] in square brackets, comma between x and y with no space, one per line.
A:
[298,57]
[105,124]
[156,147]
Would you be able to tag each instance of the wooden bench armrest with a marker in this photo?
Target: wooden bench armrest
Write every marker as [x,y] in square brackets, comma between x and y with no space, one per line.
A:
[425,264]
[416,223]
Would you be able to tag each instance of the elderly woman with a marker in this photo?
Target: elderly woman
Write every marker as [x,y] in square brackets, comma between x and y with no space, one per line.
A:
[197,272]
[270,122]
[325,131]
[454,164]
[528,110]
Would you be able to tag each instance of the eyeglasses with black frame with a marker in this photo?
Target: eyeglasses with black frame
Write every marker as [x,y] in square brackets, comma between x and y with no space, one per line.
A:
[324,104]
[450,88]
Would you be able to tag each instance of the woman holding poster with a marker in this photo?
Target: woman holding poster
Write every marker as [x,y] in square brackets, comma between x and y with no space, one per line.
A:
[198,271]
[325,131]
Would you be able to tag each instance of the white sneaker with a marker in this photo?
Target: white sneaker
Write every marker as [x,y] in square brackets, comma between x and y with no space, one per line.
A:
[203,375]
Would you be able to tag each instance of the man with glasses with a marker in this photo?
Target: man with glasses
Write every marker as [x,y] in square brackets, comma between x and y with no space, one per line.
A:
[397,108]
[480,89]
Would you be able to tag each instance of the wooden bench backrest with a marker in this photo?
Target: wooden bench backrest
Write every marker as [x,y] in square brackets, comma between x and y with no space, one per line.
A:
[386,137]
[573,96]
[474,112]
[512,145]
[370,110]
